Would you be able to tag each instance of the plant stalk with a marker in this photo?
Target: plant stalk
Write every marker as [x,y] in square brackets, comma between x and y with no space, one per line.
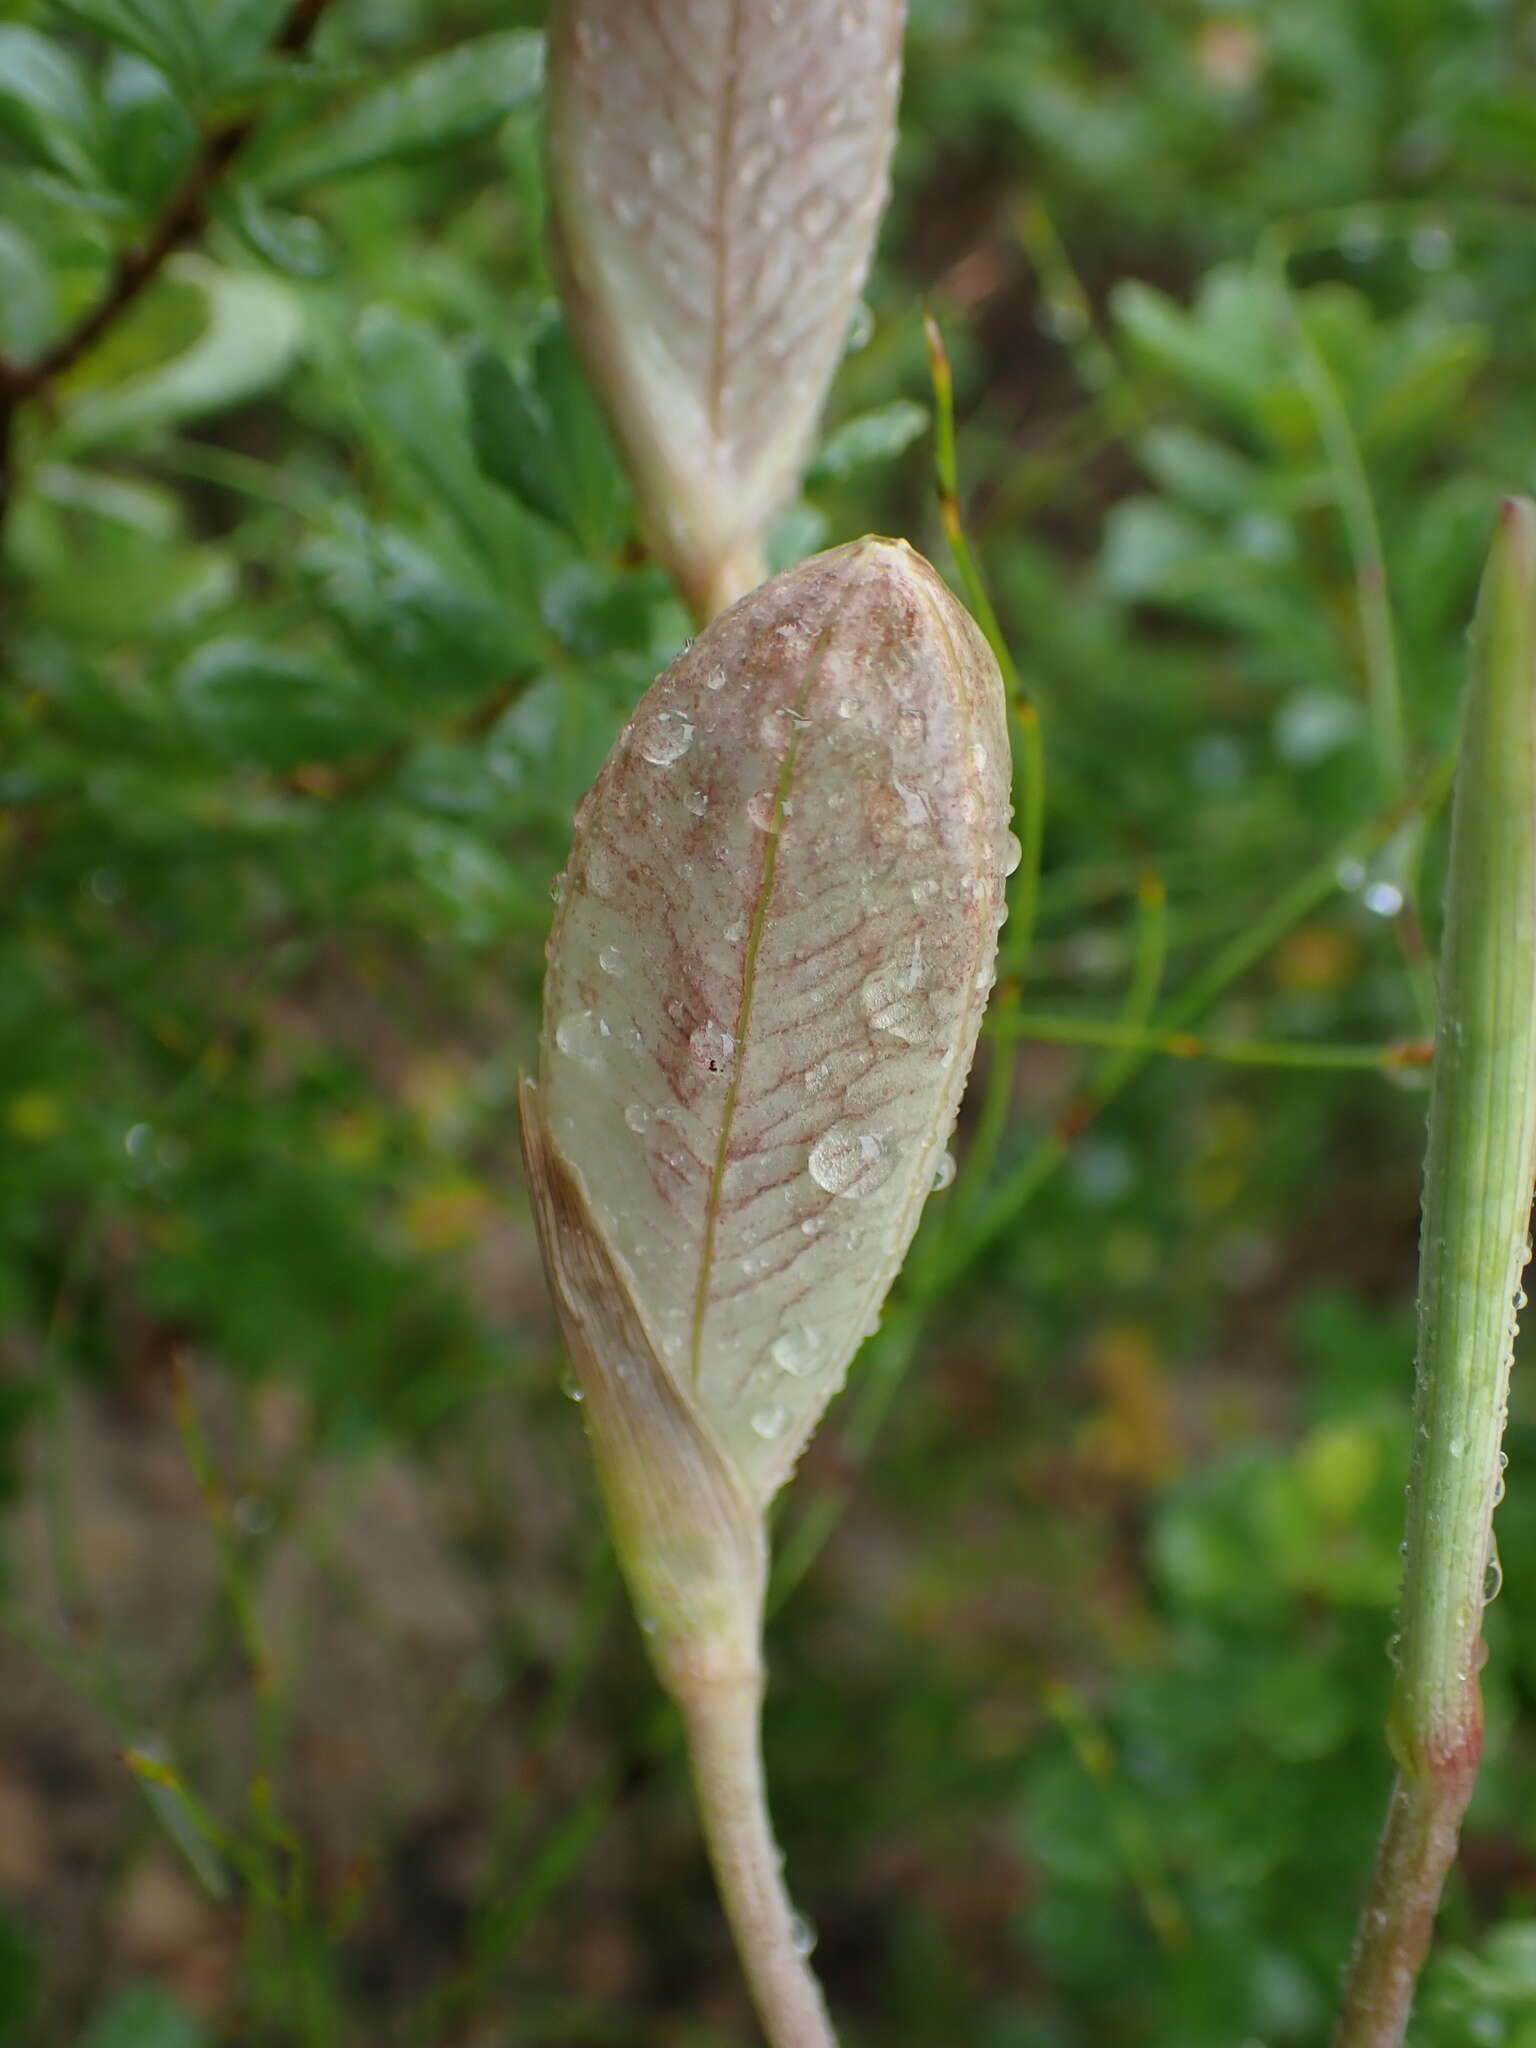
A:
[722,1716]
[1477,1204]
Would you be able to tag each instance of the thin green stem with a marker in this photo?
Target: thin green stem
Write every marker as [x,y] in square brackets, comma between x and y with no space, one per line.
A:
[1189,1045]
[1477,1205]
[1147,963]
[994,1217]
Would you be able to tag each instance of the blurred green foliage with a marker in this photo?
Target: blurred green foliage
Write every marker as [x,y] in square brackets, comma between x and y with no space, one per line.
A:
[321,603]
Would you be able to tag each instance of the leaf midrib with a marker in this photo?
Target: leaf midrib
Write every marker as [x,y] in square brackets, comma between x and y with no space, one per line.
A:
[744,1009]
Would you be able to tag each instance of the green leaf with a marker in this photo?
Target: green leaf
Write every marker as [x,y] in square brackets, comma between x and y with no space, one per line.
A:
[541,436]
[166,32]
[26,296]
[413,393]
[46,104]
[18,1976]
[151,138]
[240,32]
[876,436]
[421,630]
[1229,346]
[145,2016]
[444,101]
[249,339]
[264,706]
[290,242]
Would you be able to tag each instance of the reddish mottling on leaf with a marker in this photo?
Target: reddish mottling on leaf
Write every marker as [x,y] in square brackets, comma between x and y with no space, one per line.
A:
[766,976]
[718,170]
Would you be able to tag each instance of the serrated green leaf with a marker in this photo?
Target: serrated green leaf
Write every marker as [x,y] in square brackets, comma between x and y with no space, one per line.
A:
[444,101]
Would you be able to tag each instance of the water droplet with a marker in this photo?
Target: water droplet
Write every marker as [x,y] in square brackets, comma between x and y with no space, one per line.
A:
[811,1226]
[769,1422]
[735,932]
[819,214]
[845,707]
[802,1935]
[601,874]
[797,1351]
[581,1037]
[713,1048]
[914,805]
[715,680]
[611,961]
[943,1173]
[849,1162]
[696,802]
[1394,1648]
[664,738]
[1013,855]
[570,1386]
[1382,899]
[761,809]
[638,1117]
[860,328]
[1493,1578]
[1455,1447]
[1432,247]
[895,1002]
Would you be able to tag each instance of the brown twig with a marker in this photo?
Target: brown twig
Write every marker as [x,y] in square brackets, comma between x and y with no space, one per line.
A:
[182,217]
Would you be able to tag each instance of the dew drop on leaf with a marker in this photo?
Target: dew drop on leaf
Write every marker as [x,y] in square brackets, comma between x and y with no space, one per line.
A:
[664,738]
[581,1036]
[944,1172]
[850,1162]
[611,961]
[760,809]
[769,1422]
[797,1351]
[713,1048]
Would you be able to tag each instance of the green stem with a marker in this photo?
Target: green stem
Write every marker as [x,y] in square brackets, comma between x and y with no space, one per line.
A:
[1187,1045]
[1477,1204]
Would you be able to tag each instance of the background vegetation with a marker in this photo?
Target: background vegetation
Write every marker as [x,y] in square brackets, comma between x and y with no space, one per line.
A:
[321,1720]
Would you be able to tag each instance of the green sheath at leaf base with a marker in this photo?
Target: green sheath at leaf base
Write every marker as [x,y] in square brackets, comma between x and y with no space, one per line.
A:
[1477,1204]
[775,942]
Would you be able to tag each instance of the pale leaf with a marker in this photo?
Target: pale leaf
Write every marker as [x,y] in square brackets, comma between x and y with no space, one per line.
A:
[718,172]
[767,974]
